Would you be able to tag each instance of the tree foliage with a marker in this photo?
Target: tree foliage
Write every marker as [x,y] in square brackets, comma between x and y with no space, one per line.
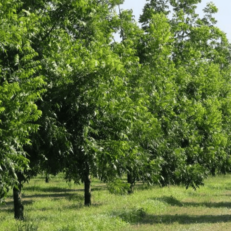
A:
[155,105]
[20,87]
[195,127]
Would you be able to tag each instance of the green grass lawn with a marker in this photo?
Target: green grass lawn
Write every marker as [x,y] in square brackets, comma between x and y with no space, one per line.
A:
[58,206]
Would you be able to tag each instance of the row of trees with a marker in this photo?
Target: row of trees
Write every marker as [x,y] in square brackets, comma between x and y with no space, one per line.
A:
[155,106]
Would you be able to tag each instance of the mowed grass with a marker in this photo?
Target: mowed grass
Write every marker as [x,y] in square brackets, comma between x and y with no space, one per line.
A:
[58,206]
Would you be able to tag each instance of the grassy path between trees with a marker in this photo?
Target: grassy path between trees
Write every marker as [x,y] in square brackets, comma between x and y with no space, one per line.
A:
[58,206]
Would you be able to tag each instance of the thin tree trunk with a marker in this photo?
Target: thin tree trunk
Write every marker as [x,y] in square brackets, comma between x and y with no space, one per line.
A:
[18,206]
[87,188]
[131,181]
[47,178]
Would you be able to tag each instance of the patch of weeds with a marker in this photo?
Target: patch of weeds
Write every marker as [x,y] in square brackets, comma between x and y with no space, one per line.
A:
[43,205]
[95,222]
[193,193]
[155,206]
[132,215]
[75,197]
[70,184]
[67,228]
[27,226]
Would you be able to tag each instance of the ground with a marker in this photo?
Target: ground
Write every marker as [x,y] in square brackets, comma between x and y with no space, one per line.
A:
[58,206]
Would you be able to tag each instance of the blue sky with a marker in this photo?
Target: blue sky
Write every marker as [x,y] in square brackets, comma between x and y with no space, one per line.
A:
[223,16]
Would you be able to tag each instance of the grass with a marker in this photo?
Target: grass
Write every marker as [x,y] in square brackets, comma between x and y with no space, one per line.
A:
[59,206]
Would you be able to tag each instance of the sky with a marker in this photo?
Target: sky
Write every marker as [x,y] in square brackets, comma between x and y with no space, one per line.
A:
[223,16]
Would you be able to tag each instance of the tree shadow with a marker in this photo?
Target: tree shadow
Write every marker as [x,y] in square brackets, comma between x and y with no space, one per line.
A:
[99,188]
[49,189]
[208,204]
[58,189]
[53,193]
[135,216]
[9,206]
[49,195]
[170,200]
[184,219]
[76,198]
[175,202]
[80,206]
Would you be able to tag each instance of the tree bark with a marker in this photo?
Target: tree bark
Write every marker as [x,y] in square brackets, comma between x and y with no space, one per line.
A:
[47,178]
[87,187]
[131,181]
[18,206]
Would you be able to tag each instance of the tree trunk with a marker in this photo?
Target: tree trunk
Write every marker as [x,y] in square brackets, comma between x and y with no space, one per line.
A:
[87,188]
[47,178]
[18,206]
[131,181]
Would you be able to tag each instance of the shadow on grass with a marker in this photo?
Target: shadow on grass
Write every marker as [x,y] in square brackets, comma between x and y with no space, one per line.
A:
[76,204]
[49,189]
[80,206]
[208,204]
[9,206]
[99,188]
[135,216]
[174,202]
[170,200]
[58,189]
[50,195]
[47,211]
[184,219]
